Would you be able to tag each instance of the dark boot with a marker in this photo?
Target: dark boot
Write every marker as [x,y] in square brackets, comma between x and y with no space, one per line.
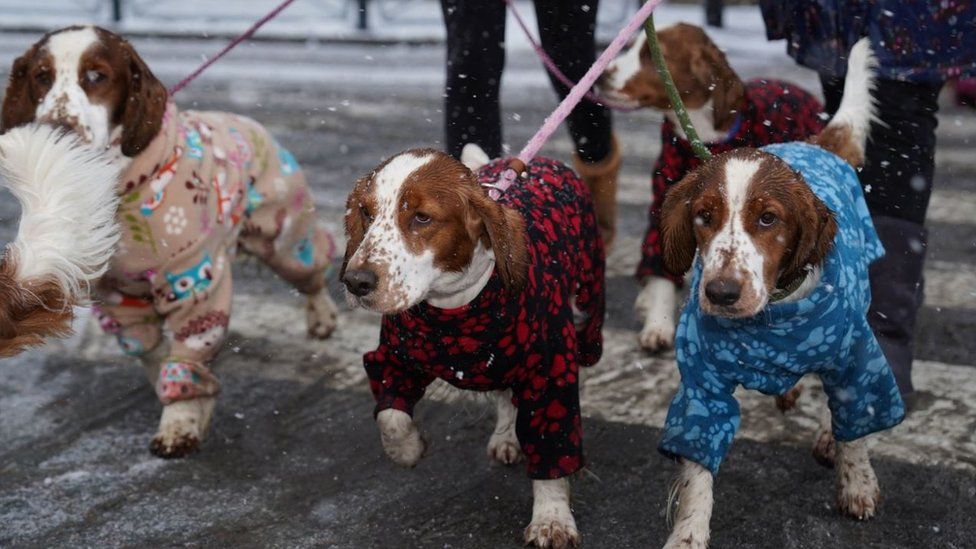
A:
[896,295]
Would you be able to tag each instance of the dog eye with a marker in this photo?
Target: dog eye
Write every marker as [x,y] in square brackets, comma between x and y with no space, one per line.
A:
[43,78]
[421,218]
[93,76]
[767,219]
[703,218]
[365,213]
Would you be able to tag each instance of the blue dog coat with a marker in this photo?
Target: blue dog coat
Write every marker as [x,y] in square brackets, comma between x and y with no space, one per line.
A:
[826,333]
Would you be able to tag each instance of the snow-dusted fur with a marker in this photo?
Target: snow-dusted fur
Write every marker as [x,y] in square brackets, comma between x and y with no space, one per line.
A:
[67,231]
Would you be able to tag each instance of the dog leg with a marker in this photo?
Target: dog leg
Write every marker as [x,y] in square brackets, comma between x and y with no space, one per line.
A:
[401,438]
[858,494]
[694,487]
[183,427]
[656,303]
[503,446]
[824,448]
[184,424]
[552,523]
[321,315]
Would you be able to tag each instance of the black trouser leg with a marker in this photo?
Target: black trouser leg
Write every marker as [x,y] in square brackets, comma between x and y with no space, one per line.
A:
[475,59]
[566,30]
[897,179]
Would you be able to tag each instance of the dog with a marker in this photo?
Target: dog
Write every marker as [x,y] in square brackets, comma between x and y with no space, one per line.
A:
[779,289]
[727,112]
[502,296]
[193,187]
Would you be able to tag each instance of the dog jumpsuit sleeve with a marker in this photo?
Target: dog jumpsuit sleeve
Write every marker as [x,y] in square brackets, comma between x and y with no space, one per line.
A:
[702,419]
[548,425]
[132,320]
[862,394]
[394,382]
[194,295]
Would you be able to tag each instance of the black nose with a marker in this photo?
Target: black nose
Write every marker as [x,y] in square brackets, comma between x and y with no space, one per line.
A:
[360,281]
[723,291]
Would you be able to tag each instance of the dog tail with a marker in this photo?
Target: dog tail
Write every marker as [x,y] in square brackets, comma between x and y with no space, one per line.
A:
[67,232]
[847,132]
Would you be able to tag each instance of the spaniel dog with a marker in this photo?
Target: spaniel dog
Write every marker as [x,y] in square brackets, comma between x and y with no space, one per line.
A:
[194,187]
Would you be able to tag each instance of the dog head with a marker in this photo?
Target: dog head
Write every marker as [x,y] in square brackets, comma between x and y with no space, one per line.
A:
[756,224]
[415,223]
[700,71]
[91,81]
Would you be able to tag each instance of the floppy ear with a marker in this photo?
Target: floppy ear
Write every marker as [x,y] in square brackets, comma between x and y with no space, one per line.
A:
[145,104]
[355,227]
[712,70]
[817,229]
[18,109]
[504,233]
[677,227]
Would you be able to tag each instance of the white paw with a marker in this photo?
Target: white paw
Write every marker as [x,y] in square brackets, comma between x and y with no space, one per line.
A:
[656,302]
[657,337]
[182,427]
[858,494]
[321,315]
[556,530]
[504,447]
[400,437]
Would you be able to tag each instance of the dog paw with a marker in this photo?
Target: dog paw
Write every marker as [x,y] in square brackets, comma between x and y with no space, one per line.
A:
[824,449]
[401,439]
[321,315]
[179,446]
[688,542]
[504,448]
[557,533]
[182,427]
[858,495]
[657,337]
[787,401]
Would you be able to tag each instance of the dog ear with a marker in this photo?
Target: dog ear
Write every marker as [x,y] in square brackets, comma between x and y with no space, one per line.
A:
[677,226]
[145,104]
[817,229]
[18,109]
[355,225]
[503,232]
[712,70]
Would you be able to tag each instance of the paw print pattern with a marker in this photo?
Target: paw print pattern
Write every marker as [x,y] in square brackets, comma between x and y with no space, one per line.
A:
[526,341]
[825,333]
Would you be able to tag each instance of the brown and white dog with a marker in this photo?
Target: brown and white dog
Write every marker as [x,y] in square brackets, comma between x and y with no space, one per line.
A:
[727,113]
[503,296]
[168,303]
[756,225]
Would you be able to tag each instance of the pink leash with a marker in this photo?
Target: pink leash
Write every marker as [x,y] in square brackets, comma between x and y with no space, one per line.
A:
[233,44]
[551,65]
[517,165]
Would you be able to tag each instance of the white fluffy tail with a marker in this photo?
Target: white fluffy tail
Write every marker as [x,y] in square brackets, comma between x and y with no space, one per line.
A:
[847,132]
[67,193]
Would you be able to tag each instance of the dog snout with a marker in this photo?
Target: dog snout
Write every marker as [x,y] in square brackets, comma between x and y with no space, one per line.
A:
[360,281]
[723,291]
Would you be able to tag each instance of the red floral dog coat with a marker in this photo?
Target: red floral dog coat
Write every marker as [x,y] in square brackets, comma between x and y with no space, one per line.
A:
[526,341]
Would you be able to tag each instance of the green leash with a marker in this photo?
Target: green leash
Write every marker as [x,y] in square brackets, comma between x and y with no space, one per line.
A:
[701,151]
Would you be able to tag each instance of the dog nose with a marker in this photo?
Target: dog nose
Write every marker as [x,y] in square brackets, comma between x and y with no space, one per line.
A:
[360,281]
[723,291]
